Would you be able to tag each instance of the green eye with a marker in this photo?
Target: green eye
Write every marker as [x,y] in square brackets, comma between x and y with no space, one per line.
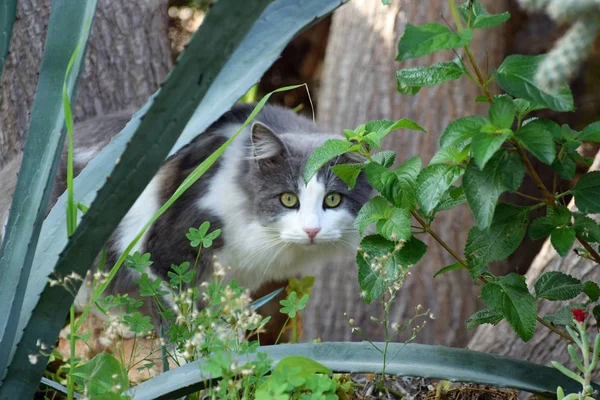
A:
[289,200]
[332,200]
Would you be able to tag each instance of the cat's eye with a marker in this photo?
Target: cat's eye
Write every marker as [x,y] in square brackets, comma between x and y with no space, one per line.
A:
[332,200]
[289,200]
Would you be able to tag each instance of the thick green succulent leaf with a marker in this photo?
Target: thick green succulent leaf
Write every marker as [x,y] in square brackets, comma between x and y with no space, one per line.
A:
[8,13]
[411,80]
[484,317]
[536,136]
[555,285]
[504,172]
[326,152]
[499,241]
[411,359]
[45,138]
[462,130]
[516,76]
[587,193]
[258,49]
[421,40]
[510,297]
[433,182]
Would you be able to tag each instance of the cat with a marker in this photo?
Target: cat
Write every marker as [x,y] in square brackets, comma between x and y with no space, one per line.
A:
[274,226]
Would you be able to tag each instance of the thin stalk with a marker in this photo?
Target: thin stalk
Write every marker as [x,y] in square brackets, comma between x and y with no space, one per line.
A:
[282,329]
[70,376]
[528,196]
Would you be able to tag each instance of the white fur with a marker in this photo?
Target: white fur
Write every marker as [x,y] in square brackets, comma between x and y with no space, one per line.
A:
[258,253]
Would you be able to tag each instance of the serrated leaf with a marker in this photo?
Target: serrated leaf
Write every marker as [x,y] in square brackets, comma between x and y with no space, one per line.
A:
[510,297]
[421,40]
[590,133]
[410,80]
[348,173]
[587,193]
[321,155]
[498,242]
[372,211]
[565,165]
[377,130]
[398,186]
[504,172]
[450,154]
[484,146]
[478,17]
[452,198]
[484,317]
[587,228]
[449,268]
[396,225]
[462,130]
[385,158]
[490,20]
[433,182]
[562,239]
[592,290]
[536,137]
[502,112]
[541,228]
[563,316]
[554,285]
[516,76]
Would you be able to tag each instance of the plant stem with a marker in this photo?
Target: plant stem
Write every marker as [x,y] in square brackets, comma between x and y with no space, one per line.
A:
[589,249]
[533,172]
[528,196]
[427,228]
[282,329]
[70,380]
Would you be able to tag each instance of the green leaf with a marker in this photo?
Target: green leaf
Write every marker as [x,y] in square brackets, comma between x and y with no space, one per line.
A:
[371,275]
[587,193]
[592,290]
[450,154]
[478,17]
[385,158]
[587,228]
[562,239]
[101,375]
[542,227]
[452,198]
[375,131]
[460,131]
[43,147]
[421,40]
[372,211]
[536,137]
[484,317]
[498,242]
[484,146]
[590,133]
[321,155]
[410,80]
[396,225]
[554,285]
[348,173]
[433,182]
[449,268]
[502,173]
[398,186]
[307,366]
[563,316]
[516,76]
[510,297]
[502,112]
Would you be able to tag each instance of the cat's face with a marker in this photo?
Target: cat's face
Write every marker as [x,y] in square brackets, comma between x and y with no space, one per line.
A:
[320,213]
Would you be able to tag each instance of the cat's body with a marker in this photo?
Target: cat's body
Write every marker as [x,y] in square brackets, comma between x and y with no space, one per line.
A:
[263,239]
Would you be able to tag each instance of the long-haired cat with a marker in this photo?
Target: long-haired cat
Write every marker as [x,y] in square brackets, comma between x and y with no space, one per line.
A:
[274,225]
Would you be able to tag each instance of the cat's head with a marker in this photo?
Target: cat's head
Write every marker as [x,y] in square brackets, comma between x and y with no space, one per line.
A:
[310,216]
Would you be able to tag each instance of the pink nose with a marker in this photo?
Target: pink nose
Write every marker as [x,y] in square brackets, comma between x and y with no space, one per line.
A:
[312,232]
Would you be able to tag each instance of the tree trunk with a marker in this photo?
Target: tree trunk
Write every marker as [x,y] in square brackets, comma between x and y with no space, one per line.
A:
[128,56]
[545,345]
[359,86]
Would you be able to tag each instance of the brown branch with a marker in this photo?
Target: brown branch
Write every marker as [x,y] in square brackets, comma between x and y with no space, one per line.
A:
[589,249]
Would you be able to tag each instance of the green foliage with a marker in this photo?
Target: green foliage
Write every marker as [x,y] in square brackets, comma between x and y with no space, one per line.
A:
[516,76]
[509,296]
[330,149]
[291,305]
[587,193]
[104,377]
[484,317]
[433,182]
[421,40]
[554,285]
[460,131]
[476,16]
[536,137]
[410,80]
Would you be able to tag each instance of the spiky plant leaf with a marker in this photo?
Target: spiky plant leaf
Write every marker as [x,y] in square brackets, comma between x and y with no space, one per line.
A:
[8,13]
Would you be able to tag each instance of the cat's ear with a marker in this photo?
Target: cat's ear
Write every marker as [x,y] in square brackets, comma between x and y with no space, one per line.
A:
[267,148]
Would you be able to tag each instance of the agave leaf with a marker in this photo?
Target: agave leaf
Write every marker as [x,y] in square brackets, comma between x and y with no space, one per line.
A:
[259,49]
[8,13]
[452,364]
[69,25]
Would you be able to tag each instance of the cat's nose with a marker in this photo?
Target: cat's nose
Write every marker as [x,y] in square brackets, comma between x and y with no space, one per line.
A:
[312,232]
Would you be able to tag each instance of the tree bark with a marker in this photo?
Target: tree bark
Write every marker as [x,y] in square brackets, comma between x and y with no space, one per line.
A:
[128,55]
[545,345]
[358,85]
